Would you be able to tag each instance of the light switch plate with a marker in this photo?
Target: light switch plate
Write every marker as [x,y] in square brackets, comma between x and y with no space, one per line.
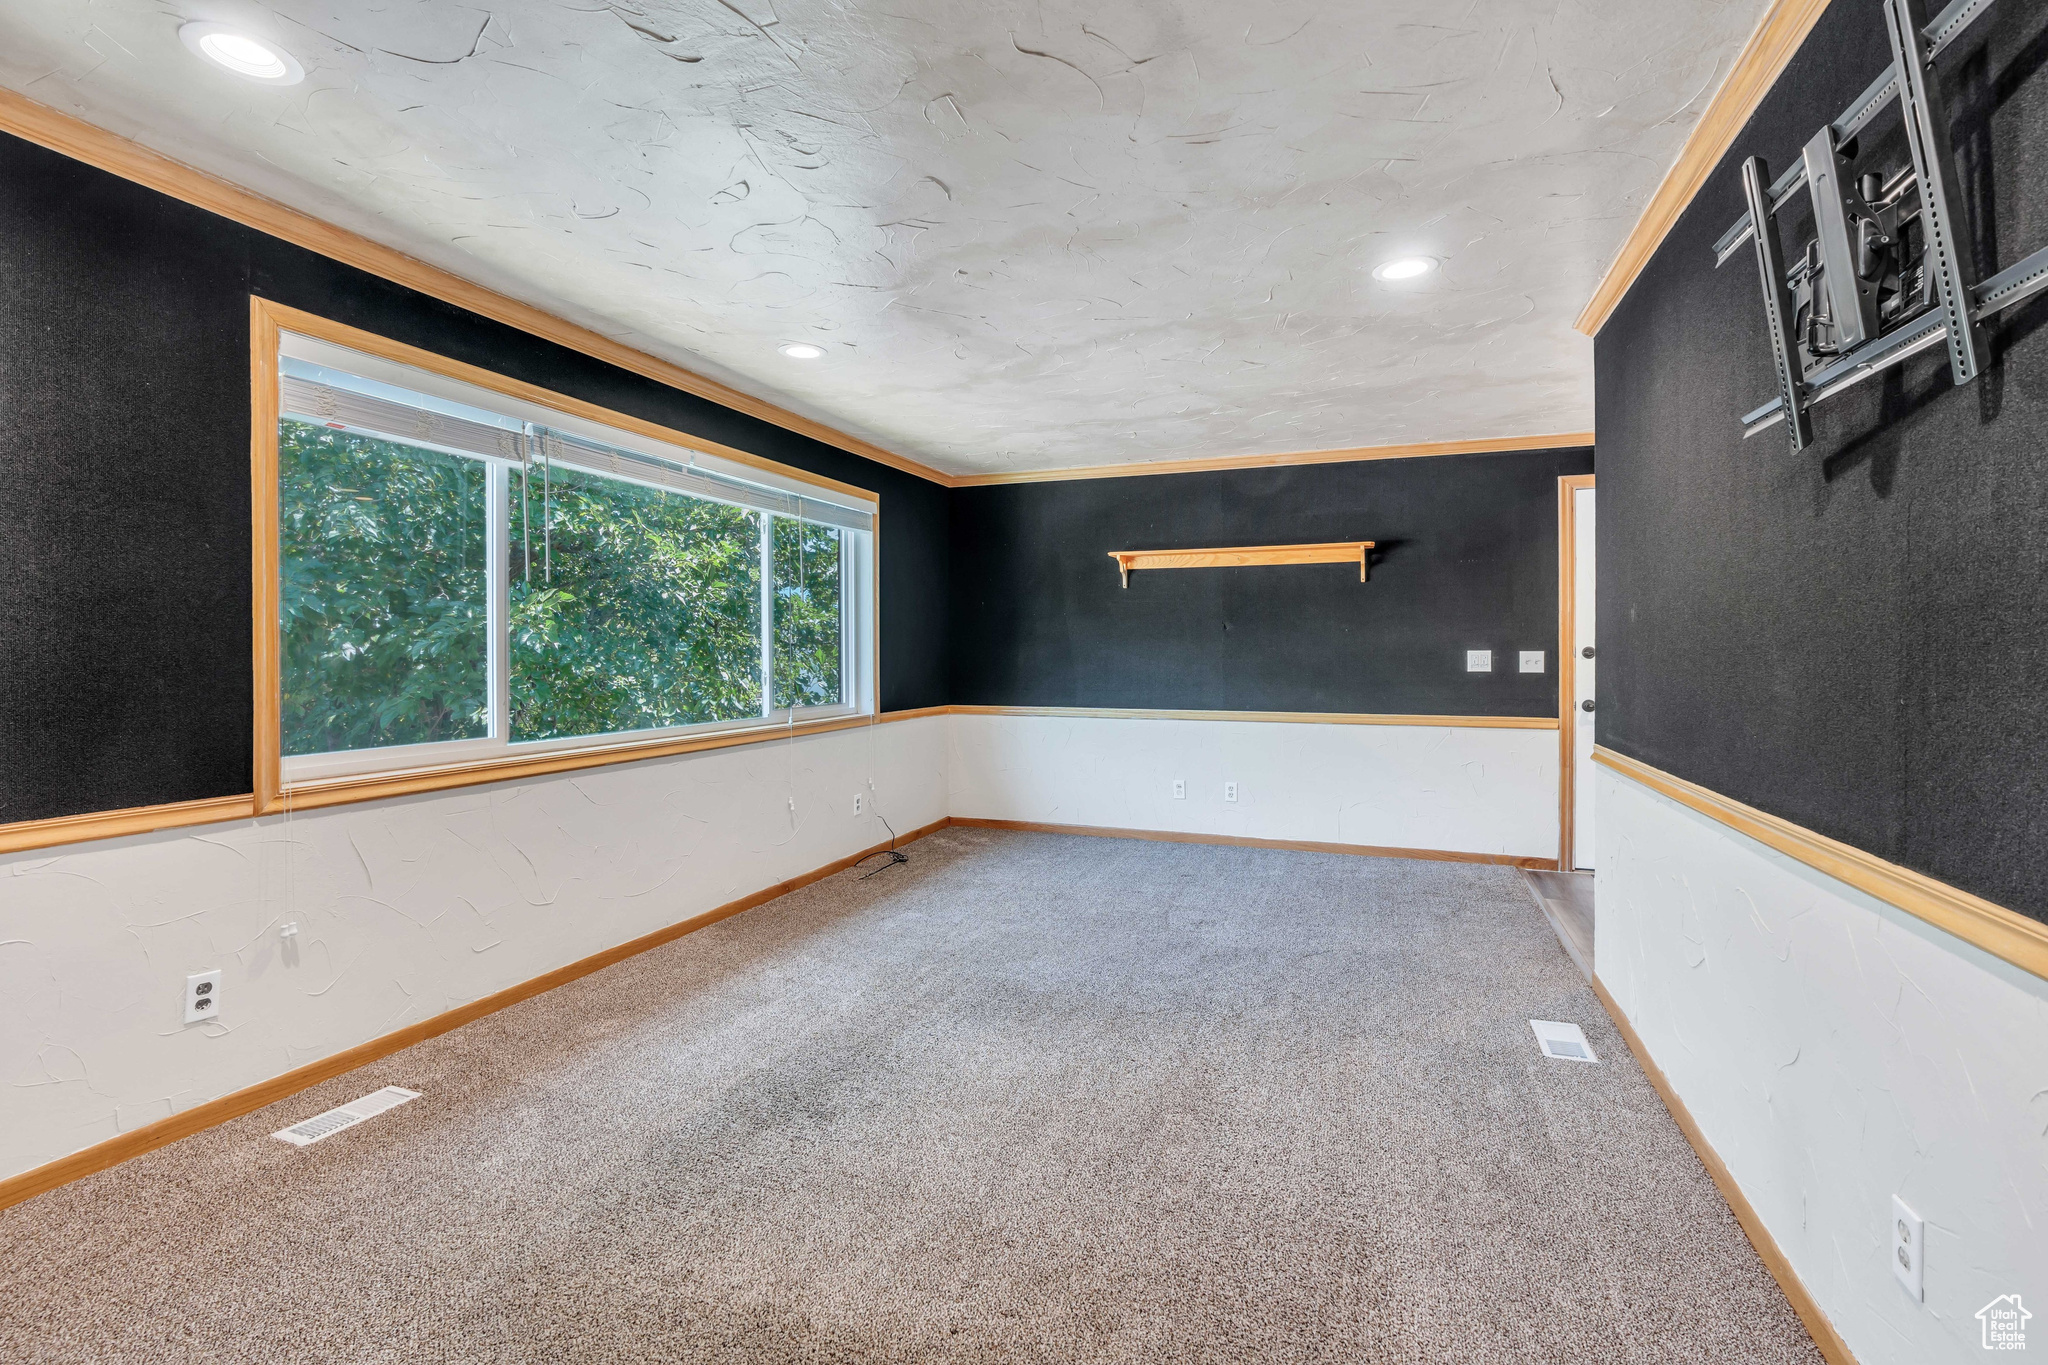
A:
[1479,661]
[1532,661]
[1908,1247]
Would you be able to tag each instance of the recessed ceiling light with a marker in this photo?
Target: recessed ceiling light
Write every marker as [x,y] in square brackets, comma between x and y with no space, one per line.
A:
[1403,268]
[253,58]
[803,350]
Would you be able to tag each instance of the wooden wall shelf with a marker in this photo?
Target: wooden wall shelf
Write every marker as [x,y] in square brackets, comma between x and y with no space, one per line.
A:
[1335,552]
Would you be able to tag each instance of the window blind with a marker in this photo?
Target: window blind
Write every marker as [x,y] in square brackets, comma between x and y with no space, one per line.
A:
[561,448]
[312,401]
[350,410]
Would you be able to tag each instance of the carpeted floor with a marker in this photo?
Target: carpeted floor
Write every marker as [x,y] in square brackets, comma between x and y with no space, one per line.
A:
[1032,1098]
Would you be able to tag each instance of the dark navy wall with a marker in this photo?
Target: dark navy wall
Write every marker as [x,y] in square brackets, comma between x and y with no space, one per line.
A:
[1467,560]
[1854,638]
[124,440]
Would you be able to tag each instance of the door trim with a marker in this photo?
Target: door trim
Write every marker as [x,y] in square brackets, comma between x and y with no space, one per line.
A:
[1568,658]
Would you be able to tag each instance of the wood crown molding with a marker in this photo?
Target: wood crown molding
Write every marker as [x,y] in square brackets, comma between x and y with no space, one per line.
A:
[86,142]
[1757,67]
[1832,1348]
[214,1112]
[110,152]
[2005,934]
[1494,445]
[1163,836]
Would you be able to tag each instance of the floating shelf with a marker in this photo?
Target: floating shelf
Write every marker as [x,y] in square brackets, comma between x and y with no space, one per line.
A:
[1335,552]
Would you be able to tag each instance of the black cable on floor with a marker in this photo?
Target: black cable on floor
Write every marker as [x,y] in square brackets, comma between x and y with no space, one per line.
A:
[895,858]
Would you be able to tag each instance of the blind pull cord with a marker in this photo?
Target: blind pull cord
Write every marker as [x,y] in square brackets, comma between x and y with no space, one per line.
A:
[525,519]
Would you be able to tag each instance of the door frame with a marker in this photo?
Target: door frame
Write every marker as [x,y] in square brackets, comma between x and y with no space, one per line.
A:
[1567,660]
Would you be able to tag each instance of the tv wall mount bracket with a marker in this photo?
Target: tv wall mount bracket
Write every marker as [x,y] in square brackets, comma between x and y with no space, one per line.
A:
[1889,270]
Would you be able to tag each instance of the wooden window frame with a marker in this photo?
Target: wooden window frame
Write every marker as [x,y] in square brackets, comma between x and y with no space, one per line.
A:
[267,322]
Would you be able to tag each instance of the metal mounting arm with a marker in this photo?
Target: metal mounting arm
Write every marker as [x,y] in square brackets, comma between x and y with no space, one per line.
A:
[1777,302]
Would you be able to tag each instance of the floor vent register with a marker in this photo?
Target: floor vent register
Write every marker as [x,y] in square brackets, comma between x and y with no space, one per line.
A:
[310,1131]
[1563,1042]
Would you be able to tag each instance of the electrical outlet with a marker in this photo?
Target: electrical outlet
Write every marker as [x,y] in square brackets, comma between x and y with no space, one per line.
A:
[1479,661]
[1180,789]
[859,803]
[1532,661]
[1230,791]
[1908,1249]
[202,996]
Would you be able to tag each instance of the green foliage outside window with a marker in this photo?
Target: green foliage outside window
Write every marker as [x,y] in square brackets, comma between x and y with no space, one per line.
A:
[807,639]
[642,610]
[385,630]
[639,608]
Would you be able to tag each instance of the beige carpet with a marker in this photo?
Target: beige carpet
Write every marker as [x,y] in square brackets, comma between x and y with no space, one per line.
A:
[1031,1098]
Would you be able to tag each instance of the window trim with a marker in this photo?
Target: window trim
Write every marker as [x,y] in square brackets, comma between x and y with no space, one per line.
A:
[440,769]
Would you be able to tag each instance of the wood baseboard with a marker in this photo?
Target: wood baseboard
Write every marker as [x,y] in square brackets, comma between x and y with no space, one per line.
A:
[1823,1332]
[1434,855]
[149,1137]
[113,1151]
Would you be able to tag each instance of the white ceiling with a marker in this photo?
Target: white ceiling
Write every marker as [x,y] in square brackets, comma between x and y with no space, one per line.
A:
[1028,235]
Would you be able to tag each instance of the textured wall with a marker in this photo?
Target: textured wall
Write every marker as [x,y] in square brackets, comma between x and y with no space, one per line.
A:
[124,438]
[1467,559]
[405,909]
[1836,1051]
[1395,786]
[1852,638]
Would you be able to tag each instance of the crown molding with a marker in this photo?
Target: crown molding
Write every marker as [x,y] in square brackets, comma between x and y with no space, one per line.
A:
[117,155]
[1757,67]
[1490,445]
[95,146]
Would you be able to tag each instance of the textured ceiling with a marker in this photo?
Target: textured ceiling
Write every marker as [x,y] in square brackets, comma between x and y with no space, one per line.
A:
[1027,235]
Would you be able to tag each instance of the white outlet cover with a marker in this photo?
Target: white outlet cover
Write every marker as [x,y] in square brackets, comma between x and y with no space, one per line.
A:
[859,803]
[1532,661]
[202,996]
[1230,791]
[1180,789]
[1479,661]
[1908,1248]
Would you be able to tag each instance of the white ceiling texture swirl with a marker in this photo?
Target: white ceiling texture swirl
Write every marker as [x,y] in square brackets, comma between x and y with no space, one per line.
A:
[1025,235]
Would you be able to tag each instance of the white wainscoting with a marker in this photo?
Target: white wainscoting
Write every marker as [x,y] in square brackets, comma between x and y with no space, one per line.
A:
[1836,1051]
[406,908]
[1454,788]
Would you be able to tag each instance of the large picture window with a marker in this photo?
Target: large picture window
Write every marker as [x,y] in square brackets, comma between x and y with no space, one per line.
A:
[468,578]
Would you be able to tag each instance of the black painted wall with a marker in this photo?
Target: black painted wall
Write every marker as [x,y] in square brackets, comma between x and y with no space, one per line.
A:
[124,481]
[1467,560]
[1854,638]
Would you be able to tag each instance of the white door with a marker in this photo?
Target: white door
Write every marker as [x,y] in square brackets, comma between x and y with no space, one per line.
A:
[1582,678]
